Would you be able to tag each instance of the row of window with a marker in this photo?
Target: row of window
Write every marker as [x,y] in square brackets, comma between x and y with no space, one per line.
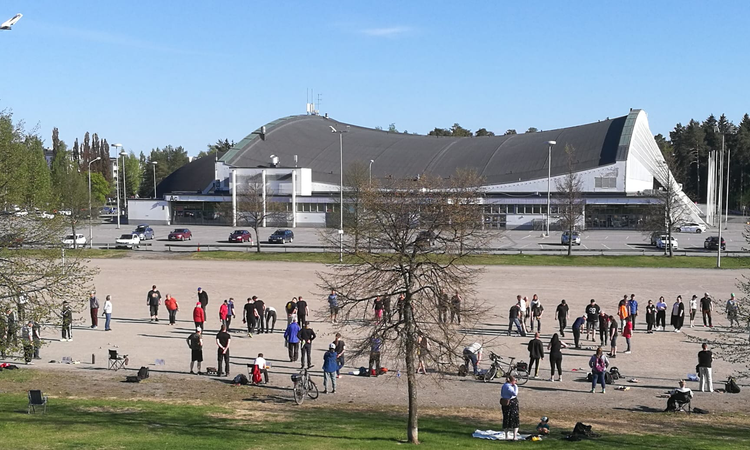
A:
[605,182]
[520,209]
[315,207]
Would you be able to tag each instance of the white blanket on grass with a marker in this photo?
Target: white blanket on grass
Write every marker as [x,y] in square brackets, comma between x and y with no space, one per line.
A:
[496,435]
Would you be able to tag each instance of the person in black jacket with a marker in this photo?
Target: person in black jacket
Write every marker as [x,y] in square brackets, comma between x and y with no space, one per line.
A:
[249,316]
[536,353]
[203,299]
[260,308]
[306,335]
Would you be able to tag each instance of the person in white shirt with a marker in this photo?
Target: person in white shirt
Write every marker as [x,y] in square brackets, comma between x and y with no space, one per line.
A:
[693,309]
[260,363]
[107,313]
[523,303]
[473,354]
[682,394]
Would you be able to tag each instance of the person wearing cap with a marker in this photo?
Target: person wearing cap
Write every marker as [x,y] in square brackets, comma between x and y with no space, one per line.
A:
[329,368]
[543,427]
[67,322]
[195,342]
[733,310]
[203,299]
[199,315]
[94,309]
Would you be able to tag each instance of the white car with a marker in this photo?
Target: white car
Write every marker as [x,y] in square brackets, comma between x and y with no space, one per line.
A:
[129,240]
[691,228]
[663,242]
[72,241]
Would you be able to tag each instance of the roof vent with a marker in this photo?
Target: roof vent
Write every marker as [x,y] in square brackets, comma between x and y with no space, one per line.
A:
[274,161]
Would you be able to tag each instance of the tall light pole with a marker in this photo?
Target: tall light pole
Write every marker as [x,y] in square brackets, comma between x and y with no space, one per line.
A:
[550,144]
[341,190]
[124,184]
[371,161]
[154,163]
[91,226]
[721,186]
[117,184]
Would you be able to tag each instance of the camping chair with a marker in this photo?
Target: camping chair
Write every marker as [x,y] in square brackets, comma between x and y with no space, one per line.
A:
[37,399]
[681,402]
[116,362]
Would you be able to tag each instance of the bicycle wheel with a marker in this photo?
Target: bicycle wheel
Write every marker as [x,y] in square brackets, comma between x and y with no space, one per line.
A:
[312,390]
[522,376]
[490,374]
[299,392]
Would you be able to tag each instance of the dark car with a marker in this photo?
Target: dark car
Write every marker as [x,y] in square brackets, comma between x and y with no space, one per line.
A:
[425,239]
[144,231]
[241,236]
[180,234]
[712,243]
[281,237]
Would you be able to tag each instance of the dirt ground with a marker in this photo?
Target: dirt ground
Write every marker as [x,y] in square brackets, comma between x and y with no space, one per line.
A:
[658,360]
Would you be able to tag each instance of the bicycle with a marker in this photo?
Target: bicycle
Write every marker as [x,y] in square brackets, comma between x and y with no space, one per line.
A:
[518,370]
[303,385]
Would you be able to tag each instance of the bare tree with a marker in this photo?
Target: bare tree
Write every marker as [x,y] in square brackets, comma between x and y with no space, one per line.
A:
[569,198]
[669,208]
[356,187]
[425,229]
[252,208]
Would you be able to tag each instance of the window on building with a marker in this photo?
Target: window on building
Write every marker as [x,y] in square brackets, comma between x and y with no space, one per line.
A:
[605,182]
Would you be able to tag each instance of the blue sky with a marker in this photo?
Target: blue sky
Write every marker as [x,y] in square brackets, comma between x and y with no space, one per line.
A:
[188,73]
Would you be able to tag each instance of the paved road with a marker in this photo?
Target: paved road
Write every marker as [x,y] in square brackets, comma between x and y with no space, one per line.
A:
[512,241]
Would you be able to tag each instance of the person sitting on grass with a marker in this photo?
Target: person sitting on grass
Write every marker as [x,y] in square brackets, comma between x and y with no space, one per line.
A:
[543,427]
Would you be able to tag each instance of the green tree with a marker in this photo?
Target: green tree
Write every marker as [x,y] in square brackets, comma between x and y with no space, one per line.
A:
[532,130]
[392,128]
[71,187]
[220,147]
[100,190]
[132,174]
[167,161]
[510,132]
[459,131]
[483,132]
[37,177]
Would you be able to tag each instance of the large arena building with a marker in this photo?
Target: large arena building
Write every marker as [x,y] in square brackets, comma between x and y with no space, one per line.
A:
[298,160]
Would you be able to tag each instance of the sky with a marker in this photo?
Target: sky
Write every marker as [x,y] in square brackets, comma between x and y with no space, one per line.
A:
[151,74]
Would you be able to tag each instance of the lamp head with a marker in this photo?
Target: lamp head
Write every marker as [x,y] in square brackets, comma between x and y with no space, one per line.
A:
[333,130]
[116,145]
[122,153]
[154,162]
[551,142]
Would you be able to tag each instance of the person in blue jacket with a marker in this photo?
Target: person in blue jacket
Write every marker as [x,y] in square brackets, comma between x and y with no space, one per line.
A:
[577,329]
[292,341]
[632,309]
[329,368]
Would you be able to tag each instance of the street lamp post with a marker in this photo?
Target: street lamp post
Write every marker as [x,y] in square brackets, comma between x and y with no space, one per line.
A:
[117,184]
[550,144]
[154,163]
[124,185]
[371,161]
[91,226]
[341,190]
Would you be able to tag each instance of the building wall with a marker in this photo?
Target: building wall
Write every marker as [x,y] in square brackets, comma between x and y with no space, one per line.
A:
[150,211]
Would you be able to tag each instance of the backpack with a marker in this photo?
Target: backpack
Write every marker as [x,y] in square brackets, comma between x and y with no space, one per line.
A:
[143,373]
[731,386]
[240,379]
[599,365]
[608,378]
[289,307]
[615,372]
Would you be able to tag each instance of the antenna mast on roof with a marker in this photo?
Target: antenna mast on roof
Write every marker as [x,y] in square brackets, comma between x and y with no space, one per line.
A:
[309,103]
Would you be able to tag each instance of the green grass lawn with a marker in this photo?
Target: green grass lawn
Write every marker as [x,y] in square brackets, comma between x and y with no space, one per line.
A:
[692,262]
[82,424]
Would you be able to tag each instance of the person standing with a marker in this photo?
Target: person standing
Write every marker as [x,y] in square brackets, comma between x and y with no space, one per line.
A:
[592,319]
[661,313]
[599,364]
[613,333]
[223,339]
[693,309]
[67,322]
[329,368]
[523,316]
[555,356]
[707,305]
[199,315]
[3,334]
[473,354]
[248,316]
[270,319]
[650,317]
[400,303]
[260,309]
[387,315]
[291,310]
[94,309]
[203,299]
[195,343]
[374,363]
[733,311]
[563,314]
[509,405]
[36,332]
[27,339]
[576,327]
[230,312]
[513,319]
[172,307]
[108,313]
[627,333]
[456,302]
[333,306]
[12,318]
[536,353]
[632,310]
[306,336]
[423,348]
[678,314]
[443,306]
[537,310]
[705,358]
[622,311]
[291,335]
[302,310]
[377,306]
[603,328]
[153,300]
[223,311]
[340,348]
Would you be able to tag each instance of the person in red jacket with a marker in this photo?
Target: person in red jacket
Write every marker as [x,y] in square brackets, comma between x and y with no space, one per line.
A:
[198,315]
[627,332]
[224,313]
[172,308]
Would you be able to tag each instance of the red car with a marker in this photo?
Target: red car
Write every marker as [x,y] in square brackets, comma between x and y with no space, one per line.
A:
[241,236]
[180,234]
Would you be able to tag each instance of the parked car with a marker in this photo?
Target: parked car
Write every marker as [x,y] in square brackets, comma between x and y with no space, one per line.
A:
[425,239]
[712,243]
[241,236]
[565,237]
[655,236]
[144,232]
[180,234]
[281,237]
[691,228]
[129,240]
[77,240]
[663,242]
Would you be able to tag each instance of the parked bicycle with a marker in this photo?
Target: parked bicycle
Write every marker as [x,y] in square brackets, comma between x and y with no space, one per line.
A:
[502,369]
[303,386]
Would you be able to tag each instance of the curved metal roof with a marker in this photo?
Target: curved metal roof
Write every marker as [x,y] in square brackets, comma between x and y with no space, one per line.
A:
[500,159]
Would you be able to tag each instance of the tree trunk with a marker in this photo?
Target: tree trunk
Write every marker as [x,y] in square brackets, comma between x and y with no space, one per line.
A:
[257,238]
[570,240]
[412,427]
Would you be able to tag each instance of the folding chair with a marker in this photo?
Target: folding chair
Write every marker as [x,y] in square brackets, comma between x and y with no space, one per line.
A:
[683,405]
[116,362]
[37,399]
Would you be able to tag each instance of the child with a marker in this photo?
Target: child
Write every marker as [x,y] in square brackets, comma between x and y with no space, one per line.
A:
[543,427]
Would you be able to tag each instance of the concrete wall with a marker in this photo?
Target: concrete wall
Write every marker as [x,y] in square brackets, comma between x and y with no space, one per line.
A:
[150,211]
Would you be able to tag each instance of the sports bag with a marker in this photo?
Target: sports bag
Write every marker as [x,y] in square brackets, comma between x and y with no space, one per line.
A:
[731,386]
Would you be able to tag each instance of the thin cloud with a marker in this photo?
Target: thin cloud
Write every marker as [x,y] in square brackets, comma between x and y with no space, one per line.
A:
[389,32]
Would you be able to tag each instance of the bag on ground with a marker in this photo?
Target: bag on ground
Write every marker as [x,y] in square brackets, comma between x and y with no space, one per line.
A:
[731,386]
[142,373]
[240,379]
